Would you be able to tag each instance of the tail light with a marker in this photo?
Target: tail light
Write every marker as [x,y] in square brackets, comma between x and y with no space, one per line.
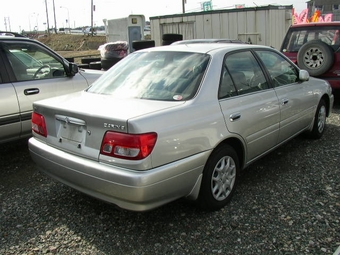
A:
[39,124]
[128,146]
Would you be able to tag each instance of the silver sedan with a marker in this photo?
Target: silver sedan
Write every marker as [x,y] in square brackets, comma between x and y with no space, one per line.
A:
[177,121]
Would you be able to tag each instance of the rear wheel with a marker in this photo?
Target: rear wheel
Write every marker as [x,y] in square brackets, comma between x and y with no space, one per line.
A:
[106,64]
[168,39]
[220,177]
[319,120]
[138,45]
[88,60]
[95,65]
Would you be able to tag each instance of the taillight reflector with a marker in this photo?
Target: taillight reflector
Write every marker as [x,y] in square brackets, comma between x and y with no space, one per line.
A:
[39,124]
[128,146]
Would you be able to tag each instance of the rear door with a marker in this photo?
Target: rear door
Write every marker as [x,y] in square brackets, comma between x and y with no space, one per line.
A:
[250,107]
[10,122]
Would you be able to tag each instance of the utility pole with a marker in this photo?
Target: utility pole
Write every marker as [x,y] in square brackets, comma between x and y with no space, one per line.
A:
[7,21]
[92,18]
[48,25]
[68,18]
[183,5]
[55,20]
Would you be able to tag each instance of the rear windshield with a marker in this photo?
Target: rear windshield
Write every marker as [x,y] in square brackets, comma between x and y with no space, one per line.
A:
[169,76]
[296,37]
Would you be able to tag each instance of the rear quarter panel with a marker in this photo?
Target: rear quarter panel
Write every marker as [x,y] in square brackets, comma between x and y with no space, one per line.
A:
[183,131]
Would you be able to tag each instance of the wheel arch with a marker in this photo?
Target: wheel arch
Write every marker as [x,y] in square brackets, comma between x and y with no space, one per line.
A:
[233,142]
[327,101]
[238,146]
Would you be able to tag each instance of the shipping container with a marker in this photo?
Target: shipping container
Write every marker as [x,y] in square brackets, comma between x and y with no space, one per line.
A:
[264,25]
[127,29]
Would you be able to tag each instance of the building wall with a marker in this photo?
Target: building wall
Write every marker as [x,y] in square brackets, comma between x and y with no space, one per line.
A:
[327,7]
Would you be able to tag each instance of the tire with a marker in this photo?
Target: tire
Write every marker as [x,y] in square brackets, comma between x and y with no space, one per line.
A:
[168,39]
[89,60]
[85,66]
[319,124]
[70,59]
[109,62]
[95,65]
[172,37]
[220,176]
[138,45]
[316,57]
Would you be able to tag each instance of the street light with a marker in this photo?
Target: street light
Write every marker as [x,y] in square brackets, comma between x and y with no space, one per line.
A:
[68,18]
[36,15]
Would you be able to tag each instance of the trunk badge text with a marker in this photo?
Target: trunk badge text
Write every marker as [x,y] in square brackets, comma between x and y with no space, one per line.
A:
[114,126]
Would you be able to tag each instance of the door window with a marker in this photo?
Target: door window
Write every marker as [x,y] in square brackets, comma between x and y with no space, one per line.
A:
[30,62]
[281,71]
[241,75]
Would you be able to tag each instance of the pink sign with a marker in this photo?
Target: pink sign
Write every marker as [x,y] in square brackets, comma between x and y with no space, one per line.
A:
[303,17]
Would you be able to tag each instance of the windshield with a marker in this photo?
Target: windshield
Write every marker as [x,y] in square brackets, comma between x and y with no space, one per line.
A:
[300,36]
[170,76]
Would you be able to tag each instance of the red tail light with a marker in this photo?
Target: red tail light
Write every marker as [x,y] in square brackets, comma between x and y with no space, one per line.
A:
[128,146]
[39,124]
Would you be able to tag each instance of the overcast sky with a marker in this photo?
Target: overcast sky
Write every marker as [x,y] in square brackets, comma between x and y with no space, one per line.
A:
[27,15]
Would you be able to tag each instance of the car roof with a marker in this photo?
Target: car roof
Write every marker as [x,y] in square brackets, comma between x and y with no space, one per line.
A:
[208,41]
[317,24]
[9,37]
[10,34]
[204,47]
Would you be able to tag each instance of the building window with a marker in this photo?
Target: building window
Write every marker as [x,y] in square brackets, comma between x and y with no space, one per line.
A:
[319,7]
[336,7]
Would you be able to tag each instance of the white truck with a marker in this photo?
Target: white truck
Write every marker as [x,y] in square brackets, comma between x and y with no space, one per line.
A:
[127,29]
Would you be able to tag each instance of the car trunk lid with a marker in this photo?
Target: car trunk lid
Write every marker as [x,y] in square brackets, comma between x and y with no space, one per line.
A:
[77,122]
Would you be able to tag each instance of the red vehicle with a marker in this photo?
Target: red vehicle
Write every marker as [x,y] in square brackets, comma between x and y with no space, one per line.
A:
[315,47]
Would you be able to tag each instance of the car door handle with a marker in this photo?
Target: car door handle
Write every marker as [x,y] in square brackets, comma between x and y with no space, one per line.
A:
[32,91]
[234,116]
[284,101]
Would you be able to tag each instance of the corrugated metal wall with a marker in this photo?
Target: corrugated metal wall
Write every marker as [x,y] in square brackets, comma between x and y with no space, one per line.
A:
[261,25]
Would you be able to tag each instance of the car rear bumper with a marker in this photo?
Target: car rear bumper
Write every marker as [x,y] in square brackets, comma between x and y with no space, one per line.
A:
[128,189]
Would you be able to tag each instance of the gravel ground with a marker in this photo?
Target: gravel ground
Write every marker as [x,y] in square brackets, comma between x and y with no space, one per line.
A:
[286,203]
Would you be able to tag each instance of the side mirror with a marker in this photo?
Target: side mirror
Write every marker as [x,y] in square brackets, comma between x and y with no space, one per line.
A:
[303,75]
[73,68]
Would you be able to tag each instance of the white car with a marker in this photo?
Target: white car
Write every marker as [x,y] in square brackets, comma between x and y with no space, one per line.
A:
[30,71]
[89,31]
[177,121]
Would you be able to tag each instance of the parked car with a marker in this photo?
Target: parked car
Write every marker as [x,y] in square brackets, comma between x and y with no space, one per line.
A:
[89,31]
[177,121]
[112,52]
[315,47]
[31,71]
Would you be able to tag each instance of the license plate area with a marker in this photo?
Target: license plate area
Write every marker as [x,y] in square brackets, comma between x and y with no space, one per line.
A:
[71,129]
